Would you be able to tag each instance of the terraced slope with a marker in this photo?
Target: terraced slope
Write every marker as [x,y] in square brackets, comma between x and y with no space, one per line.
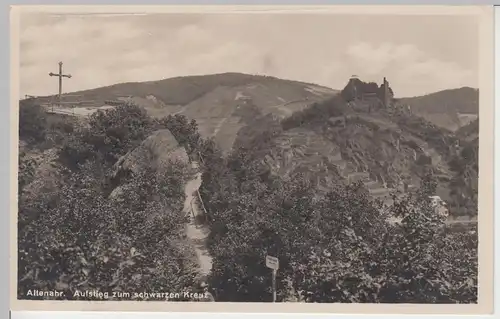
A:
[371,148]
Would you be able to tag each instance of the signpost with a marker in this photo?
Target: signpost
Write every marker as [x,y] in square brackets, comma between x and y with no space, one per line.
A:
[273,263]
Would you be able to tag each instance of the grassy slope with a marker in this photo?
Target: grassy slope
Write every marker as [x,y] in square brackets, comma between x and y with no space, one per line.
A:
[179,90]
[222,104]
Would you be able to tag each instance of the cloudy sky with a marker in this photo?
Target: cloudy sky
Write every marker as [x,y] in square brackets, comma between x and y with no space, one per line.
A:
[417,54]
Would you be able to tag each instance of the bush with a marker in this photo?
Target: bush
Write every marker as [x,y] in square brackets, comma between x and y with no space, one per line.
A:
[79,238]
[320,111]
[336,248]
[184,131]
[114,132]
[32,123]
[76,239]
[110,134]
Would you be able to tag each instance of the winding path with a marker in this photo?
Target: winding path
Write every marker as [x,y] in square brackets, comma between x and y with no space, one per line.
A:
[196,231]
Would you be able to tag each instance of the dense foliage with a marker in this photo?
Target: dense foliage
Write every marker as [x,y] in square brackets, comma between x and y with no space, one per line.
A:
[184,131]
[32,123]
[109,135]
[464,184]
[334,248]
[335,106]
[43,130]
[78,238]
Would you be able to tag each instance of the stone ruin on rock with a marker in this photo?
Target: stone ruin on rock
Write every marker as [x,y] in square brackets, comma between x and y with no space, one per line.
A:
[368,96]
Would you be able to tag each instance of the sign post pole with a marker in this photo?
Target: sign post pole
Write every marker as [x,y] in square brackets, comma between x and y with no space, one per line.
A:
[273,263]
[274,285]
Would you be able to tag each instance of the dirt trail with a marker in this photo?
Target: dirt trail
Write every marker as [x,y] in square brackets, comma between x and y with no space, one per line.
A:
[196,231]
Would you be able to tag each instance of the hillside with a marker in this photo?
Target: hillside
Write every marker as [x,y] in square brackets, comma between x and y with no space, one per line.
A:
[336,141]
[381,150]
[283,193]
[450,109]
[221,103]
[469,132]
[293,127]
[111,204]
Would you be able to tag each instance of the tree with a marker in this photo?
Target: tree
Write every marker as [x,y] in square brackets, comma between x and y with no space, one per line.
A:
[464,183]
[114,132]
[336,248]
[413,262]
[246,231]
[77,239]
[349,228]
[110,134]
[317,112]
[32,123]
[184,131]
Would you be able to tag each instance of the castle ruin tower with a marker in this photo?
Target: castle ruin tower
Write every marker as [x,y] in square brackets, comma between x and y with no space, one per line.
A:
[387,94]
[352,82]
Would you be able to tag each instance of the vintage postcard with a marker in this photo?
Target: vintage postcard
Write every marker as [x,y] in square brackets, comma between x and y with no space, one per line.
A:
[252,158]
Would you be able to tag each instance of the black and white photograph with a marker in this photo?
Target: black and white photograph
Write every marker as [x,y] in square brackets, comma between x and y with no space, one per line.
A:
[249,157]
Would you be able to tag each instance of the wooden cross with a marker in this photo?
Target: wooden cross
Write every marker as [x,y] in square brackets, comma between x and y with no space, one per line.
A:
[60,75]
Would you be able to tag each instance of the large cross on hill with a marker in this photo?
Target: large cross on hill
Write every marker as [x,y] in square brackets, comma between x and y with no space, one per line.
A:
[60,75]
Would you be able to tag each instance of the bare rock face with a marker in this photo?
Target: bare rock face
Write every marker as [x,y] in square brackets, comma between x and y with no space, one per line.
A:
[156,152]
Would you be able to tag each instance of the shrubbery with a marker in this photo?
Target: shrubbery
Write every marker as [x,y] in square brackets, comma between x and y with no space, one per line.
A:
[464,184]
[184,131]
[337,248]
[32,123]
[319,111]
[333,248]
[78,238]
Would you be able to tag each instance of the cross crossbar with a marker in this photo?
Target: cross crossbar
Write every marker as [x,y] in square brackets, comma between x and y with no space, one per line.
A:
[60,75]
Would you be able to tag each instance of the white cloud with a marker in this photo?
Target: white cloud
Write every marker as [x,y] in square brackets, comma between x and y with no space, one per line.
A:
[101,51]
[409,70]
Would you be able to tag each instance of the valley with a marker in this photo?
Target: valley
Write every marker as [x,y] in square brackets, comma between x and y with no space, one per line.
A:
[229,168]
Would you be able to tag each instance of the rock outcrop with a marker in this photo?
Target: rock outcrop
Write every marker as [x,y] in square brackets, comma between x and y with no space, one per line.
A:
[155,152]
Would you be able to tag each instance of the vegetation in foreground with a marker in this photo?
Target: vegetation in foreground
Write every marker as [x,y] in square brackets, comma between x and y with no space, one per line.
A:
[78,236]
[334,248]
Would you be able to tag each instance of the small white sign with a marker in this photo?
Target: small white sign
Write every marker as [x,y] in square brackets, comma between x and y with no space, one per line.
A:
[272,262]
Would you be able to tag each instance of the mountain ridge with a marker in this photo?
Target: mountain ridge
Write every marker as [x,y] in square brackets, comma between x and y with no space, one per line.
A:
[450,108]
[315,129]
[220,103]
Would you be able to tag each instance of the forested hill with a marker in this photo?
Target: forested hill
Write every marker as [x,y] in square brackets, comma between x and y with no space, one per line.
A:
[450,109]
